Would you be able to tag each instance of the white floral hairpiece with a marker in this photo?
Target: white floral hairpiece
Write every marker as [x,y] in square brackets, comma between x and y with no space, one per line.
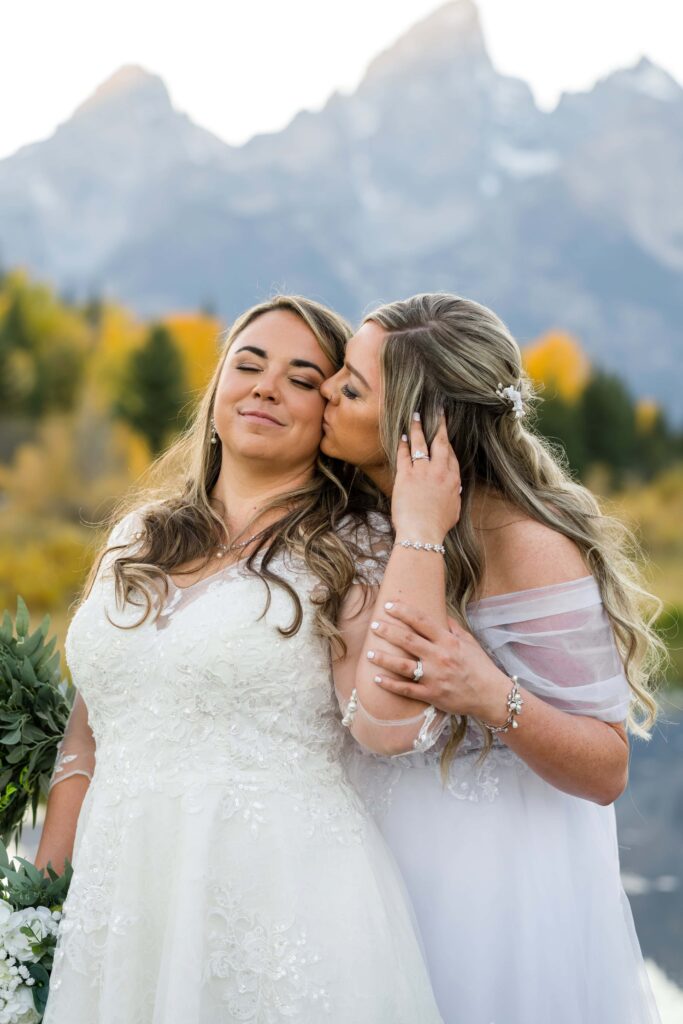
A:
[514,397]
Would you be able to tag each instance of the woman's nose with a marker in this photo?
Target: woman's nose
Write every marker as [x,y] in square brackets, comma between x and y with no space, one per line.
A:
[328,389]
[265,388]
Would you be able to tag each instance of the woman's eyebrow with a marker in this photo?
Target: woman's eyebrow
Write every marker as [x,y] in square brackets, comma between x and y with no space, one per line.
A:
[252,348]
[261,352]
[305,362]
[353,370]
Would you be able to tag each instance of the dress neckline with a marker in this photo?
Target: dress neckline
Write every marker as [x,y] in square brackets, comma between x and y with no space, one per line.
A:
[205,579]
[483,601]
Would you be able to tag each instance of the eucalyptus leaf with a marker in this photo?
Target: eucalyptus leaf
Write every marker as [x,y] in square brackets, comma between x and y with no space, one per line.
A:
[11,737]
[22,619]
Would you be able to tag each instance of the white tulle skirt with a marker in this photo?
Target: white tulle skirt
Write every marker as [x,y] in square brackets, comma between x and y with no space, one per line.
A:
[517,891]
[232,903]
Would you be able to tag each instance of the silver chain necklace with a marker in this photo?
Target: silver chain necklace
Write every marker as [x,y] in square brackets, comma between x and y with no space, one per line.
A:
[225,549]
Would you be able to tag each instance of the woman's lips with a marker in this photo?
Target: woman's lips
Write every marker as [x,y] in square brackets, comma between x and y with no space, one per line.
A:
[261,417]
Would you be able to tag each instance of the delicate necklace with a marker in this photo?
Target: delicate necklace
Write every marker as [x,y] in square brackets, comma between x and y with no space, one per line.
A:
[225,549]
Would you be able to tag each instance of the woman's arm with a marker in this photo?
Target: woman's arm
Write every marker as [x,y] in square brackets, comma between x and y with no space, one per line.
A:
[59,830]
[425,505]
[576,752]
[73,771]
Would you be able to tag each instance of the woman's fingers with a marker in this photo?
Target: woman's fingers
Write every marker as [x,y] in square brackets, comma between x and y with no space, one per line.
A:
[414,691]
[396,666]
[417,621]
[403,455]
[406,640]
[441,446]
[417,438]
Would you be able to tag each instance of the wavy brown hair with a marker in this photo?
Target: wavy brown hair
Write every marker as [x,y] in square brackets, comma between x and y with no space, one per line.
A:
[442,351]
[178,523]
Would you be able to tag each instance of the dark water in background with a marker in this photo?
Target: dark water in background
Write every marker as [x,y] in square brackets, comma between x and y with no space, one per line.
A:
[650,829]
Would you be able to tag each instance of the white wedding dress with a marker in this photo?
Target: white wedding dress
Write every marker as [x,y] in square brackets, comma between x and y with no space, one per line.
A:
[515,884]
[225,870]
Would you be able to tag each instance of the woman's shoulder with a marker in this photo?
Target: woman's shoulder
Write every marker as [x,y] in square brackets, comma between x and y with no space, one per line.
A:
[128,526]
[521,553]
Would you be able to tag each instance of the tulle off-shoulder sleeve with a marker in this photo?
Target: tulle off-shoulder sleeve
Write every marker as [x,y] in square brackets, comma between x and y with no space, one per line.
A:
[76,750]
[559,641]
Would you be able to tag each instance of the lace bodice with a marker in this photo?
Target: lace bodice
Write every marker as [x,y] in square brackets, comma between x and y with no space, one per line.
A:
[208,689]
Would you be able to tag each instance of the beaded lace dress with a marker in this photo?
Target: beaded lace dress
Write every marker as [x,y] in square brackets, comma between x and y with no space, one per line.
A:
[225,870]
[516,884]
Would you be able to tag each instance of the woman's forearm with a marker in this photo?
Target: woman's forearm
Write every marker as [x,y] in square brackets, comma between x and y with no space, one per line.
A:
[418,576]
[61,818]
[578,754]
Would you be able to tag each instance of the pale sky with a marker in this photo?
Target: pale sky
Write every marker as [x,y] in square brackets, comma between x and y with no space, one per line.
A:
[248,67]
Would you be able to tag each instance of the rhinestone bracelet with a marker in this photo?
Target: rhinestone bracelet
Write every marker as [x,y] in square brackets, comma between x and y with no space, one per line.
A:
[420,546]
[514,704]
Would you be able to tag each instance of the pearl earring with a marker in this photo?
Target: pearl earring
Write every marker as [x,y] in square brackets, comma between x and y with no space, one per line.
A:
[214,435]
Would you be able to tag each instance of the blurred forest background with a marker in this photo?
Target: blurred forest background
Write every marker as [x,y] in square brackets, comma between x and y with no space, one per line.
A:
[90,393]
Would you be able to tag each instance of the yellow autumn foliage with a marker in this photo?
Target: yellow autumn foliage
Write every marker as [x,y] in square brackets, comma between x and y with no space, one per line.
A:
[119,334]
[647,411]
[557,361]
[198,338]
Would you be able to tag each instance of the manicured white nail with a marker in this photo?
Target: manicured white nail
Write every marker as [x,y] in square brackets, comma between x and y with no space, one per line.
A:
[389,605]
[374,625]
[416,417]
[377,679]
[404,437]
[371,655]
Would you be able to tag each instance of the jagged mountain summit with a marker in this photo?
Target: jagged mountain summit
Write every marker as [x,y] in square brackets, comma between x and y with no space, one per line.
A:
[438,172]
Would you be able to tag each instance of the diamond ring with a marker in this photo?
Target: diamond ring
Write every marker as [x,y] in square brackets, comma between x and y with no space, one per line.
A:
[419,671]
[419,455]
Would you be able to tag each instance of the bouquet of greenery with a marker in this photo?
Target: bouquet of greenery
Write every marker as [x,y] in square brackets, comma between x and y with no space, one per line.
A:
[30,911]
[34,709]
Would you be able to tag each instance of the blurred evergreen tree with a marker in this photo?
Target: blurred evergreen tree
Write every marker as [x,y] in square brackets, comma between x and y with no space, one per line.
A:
[14,337]
[559,421]
[608,420]
[153,389]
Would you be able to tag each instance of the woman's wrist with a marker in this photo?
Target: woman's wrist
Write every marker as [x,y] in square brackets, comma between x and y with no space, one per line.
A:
[416,529]
[494,709]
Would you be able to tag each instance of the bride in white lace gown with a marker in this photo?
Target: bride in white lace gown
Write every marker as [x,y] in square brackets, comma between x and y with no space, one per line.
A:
[510,856]
[224,868]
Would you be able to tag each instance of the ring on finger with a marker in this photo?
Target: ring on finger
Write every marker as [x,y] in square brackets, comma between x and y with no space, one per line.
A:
[419,455]
[419,671]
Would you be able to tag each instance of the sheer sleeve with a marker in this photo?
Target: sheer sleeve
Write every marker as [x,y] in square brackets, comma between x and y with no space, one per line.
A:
[422,724]
[76,750]
[558,640]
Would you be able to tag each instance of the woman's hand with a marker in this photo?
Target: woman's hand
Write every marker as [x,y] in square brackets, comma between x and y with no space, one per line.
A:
[425,503]
[458,676]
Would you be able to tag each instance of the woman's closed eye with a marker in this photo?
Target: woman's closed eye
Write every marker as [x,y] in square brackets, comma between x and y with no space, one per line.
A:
[301,382]
[348,392]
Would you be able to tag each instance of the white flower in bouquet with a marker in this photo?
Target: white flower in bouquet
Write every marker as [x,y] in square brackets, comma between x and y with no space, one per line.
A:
[40,920]
[17,1006]
[6,912]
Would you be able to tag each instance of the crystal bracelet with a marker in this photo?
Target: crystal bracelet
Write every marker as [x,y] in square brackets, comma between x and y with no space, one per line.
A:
[514,705]
[420,546]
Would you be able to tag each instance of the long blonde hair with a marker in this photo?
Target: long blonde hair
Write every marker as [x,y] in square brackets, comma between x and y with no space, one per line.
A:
[442,351]
[179,524]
